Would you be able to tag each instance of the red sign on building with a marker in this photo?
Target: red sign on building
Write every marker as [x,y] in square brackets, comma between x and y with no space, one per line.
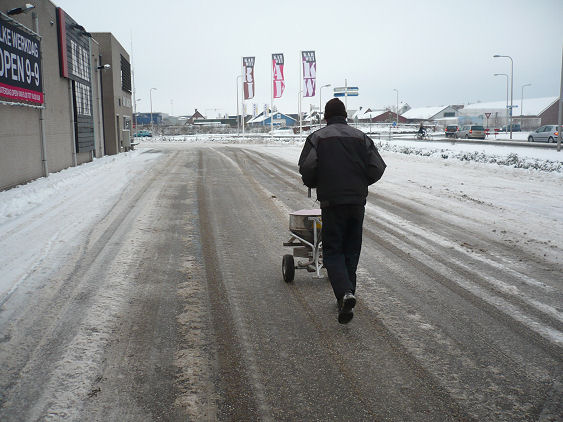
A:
[20,65]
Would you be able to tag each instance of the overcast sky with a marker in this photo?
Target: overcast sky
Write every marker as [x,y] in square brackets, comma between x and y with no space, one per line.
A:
[435,52]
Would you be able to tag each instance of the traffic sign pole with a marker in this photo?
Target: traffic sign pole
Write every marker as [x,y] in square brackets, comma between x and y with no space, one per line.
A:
[488,115]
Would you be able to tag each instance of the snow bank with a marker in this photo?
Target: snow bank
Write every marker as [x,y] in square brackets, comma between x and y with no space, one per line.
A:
[536,158]
[512,159]
[22,199]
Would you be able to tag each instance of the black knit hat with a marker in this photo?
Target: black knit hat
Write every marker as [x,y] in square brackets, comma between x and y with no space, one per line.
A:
[335,107]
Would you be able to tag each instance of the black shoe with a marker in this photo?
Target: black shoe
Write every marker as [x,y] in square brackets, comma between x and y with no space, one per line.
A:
[346,308]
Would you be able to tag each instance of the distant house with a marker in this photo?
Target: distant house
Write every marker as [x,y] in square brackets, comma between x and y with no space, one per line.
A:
[279,120]
[387,116]
[536,112]
[311,118]
[196,116]
[425,114]
[145,118]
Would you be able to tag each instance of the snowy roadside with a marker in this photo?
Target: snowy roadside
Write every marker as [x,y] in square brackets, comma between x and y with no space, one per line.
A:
[525,158]
[45,191]
[547,160]
[45,221]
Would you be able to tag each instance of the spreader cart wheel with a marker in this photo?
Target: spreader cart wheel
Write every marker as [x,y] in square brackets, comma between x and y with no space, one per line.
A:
[288,268]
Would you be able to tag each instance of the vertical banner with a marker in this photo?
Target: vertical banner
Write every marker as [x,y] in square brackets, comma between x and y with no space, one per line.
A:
[277,75]
[309,73]
[75,64]
[248,72]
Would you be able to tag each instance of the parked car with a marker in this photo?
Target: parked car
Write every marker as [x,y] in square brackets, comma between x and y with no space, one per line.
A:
[451,131]
[471,131]
[546,133]
[144,134]
[515,128]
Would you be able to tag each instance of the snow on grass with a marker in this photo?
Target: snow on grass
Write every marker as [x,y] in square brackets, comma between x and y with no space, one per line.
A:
[525,157]
[500,157]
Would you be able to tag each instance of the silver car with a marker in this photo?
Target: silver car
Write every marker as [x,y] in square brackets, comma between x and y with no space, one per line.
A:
[546,133]
[471,131]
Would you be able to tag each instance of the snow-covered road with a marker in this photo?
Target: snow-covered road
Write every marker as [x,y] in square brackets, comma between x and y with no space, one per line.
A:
[147,285]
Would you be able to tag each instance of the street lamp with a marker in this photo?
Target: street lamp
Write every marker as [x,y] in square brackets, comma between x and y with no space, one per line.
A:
[504,74]
[321,101]
[238,118]
[511,86]
[135,115]
[300,116]
[150,95]
[18,10]
[522,104]
[397,91]
[101,68]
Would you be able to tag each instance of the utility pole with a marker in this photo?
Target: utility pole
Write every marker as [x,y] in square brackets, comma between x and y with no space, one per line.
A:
[560,117]
[346,94]
[35,19]
[272,64]
[133,86]
[394,89]
[300,92]
[511,87]
[522,106]
[242,96]
[238,105]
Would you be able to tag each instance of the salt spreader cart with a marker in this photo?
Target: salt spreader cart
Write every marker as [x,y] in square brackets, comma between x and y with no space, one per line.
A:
[305,230]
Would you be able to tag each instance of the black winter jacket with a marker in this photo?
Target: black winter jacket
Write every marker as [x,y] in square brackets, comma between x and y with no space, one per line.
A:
[341,162]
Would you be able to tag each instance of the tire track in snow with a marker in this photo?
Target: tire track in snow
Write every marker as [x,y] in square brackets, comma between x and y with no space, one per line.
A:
[508,306]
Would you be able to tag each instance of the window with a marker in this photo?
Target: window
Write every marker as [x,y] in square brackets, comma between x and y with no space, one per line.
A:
[125,75]
[449,114]
[83,99]
[79,61]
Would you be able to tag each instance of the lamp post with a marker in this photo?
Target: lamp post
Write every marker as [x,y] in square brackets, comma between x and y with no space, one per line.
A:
[100,68]
[522,104]
[560,113]
[238,118]
[18,10]
[504,74]
[397,91]
[150,95]
[321,102]
[511,86]
[135,115]
[300,117]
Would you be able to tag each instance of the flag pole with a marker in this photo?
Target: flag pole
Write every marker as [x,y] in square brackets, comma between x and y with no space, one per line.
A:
[300,92]
[242,96]
[272,98]
[346,94]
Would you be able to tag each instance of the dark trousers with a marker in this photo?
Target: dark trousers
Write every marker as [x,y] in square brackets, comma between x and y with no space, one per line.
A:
[342,243]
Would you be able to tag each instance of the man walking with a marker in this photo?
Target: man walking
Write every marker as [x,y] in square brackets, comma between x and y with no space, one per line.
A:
[341,162]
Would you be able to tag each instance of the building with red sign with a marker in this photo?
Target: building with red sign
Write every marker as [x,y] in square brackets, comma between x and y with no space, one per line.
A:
[52,108]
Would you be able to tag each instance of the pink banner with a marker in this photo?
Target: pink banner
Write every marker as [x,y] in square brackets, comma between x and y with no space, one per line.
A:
[278,78]
[309,73]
